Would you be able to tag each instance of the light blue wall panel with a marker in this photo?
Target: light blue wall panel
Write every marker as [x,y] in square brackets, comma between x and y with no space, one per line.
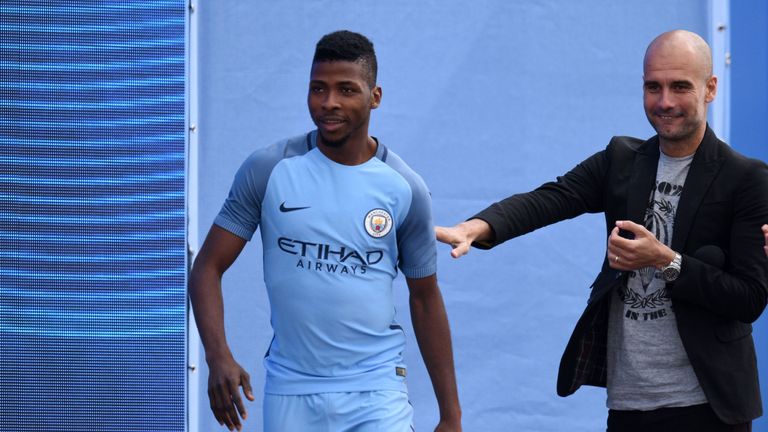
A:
[484,99]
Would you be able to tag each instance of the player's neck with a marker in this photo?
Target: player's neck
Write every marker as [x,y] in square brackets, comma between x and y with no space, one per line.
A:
[354,151]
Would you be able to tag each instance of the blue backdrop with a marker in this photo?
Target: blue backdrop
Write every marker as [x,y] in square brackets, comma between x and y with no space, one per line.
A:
[484,99]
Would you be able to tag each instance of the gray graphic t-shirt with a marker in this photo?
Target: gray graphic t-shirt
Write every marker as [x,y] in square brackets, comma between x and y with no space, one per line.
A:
[648,367]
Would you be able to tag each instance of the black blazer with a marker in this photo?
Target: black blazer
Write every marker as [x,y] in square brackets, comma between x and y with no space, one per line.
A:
[723,204]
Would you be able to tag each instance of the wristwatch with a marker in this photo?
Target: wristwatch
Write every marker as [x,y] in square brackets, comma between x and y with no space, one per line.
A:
[671,271]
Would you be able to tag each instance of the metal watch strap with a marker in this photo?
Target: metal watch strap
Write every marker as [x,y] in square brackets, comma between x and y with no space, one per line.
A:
[671,271]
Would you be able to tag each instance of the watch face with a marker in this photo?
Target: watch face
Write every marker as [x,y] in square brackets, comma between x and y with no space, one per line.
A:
[670,274]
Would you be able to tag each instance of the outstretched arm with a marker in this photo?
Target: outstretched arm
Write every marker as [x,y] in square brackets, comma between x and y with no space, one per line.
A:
[430,324]
[461,236]
[578,191]
[218,252]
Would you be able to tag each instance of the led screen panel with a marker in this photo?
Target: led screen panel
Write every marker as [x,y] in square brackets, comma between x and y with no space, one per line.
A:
[92,215]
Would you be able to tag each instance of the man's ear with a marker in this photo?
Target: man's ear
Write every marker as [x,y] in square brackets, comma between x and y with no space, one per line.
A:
[711,91]
[375,97]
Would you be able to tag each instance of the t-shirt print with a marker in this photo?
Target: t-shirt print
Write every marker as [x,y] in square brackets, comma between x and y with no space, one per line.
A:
[646,295]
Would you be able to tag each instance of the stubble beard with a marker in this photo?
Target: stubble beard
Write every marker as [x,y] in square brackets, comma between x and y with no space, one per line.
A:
[338,143]
[682,133]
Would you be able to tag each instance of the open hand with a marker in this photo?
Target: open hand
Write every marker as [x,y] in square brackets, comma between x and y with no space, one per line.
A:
[224,380]
[456,237]
[461,236]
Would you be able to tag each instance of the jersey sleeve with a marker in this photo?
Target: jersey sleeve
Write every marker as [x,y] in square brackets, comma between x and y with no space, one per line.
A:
[241,212]
[416,235]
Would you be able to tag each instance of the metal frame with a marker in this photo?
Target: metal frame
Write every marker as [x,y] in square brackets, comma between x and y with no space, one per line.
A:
[193,241]
[720,41]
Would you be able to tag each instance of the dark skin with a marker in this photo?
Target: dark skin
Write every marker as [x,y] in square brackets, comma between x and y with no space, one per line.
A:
[226,376]
[340,103]
[430,324]
[339,100]
[765,234]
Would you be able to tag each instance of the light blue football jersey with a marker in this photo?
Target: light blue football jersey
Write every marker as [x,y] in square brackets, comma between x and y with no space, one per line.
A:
[333,236]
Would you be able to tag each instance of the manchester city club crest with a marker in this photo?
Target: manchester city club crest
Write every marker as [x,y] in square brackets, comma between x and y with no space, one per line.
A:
[378,223]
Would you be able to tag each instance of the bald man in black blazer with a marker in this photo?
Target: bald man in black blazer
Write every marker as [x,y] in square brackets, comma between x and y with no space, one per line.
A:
[687,258]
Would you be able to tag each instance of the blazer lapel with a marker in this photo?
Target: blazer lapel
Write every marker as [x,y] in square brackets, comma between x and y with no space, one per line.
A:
[643,180]
[704,167]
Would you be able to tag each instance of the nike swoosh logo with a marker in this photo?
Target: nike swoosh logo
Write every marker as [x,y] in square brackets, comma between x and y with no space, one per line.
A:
[285,209]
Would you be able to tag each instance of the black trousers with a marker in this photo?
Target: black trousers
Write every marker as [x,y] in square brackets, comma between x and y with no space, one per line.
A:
[696,418]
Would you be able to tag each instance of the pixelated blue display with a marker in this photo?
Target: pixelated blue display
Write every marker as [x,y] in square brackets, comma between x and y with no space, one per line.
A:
[92,215]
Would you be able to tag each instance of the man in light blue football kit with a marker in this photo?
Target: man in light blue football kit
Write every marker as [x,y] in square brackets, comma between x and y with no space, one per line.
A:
[339,214]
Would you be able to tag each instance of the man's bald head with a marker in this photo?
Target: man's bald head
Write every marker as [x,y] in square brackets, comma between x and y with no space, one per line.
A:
[677,86]
[681,43]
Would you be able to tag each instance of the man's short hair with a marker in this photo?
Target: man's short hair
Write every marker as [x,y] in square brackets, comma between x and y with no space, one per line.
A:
[345,45]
